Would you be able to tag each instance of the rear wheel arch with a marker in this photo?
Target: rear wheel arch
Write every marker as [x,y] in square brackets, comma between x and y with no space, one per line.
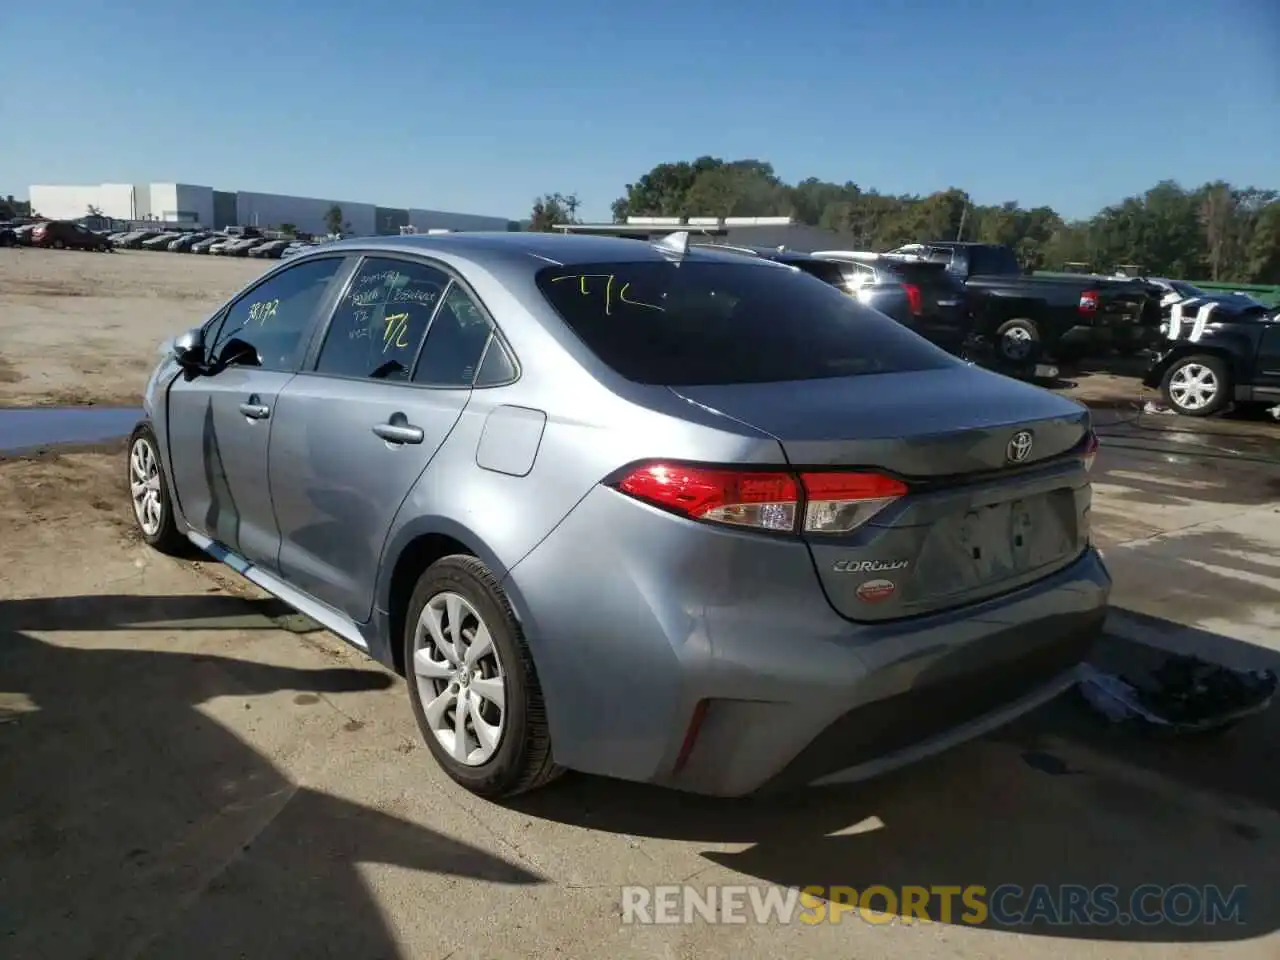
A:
[414,549]
[410,561]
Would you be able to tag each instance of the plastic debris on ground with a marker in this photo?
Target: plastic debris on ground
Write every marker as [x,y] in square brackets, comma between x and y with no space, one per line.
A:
[1182,695]
[1152,407]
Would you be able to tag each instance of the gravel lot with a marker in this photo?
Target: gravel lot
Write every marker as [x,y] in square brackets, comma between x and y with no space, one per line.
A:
[83,328]
[183,774]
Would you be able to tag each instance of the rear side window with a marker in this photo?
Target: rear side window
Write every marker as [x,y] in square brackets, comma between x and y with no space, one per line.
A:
[998,261]
[455,343]
[689,323]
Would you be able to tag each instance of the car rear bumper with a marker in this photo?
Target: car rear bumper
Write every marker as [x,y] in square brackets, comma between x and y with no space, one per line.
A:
[711,661]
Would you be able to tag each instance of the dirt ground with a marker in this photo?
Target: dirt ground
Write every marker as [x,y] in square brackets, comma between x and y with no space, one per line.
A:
[185,771]
[181,774]
[83,328]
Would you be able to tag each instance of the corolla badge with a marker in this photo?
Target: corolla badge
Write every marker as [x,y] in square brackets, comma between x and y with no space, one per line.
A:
[1020,446]
[868,566]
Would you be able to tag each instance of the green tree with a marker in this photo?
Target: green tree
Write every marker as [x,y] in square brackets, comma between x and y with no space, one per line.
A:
[553,208]
[333,219]
[11,208]
[1262,258]
[289,229]
[1215,231]
[662,191]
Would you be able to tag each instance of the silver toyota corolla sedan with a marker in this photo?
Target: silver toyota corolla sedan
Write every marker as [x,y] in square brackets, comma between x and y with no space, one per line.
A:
[643,510]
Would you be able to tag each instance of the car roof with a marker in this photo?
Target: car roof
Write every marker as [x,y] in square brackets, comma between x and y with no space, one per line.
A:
[533,250]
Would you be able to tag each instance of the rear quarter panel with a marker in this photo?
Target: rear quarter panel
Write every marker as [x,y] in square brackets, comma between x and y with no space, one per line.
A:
[595,423]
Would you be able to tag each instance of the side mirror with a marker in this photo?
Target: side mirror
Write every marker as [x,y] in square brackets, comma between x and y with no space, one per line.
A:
[188,349]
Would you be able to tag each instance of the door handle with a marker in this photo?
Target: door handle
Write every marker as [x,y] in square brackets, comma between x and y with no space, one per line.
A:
[399,430]
[255,409]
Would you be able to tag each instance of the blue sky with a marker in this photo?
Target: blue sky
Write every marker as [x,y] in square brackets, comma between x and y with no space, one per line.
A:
[478,107]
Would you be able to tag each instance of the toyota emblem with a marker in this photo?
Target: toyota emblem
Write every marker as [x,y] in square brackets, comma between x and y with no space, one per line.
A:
[1020,446]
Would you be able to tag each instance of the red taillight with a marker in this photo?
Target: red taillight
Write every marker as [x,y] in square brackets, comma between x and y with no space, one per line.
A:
[766,501]
[1089,449]
[915,300]
[1089,301]
[825,502]
[840,502]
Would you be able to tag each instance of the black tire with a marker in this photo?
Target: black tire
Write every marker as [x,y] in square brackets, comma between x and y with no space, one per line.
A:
[166,538]
[58,245]
[1018,341]
[1221,374]
[523,758]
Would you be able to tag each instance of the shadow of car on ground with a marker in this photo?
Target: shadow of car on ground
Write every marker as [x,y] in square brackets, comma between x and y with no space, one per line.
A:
[132,823]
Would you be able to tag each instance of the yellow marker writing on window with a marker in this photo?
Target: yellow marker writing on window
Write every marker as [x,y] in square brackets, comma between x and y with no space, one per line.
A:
[611,290]
[262,311]
[396,332]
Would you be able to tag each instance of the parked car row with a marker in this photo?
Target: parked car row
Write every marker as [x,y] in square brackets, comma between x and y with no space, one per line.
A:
[962,294]
[1207,350]
[214,243]
[973,299]
[54,234]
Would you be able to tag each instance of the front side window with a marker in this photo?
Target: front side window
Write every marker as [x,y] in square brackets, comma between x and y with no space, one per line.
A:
[697,322]
[270,322]
[379,323]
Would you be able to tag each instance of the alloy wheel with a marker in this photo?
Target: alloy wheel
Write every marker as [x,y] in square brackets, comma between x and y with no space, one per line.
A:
[460,679]
[144,486]
[1193,387]
[1016,343]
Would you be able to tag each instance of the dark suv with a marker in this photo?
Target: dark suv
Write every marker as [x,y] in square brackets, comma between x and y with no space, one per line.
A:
[919,295]
[1218,352]
[67,234]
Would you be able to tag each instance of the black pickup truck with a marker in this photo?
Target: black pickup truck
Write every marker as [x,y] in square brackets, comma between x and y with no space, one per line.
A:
[1027,318]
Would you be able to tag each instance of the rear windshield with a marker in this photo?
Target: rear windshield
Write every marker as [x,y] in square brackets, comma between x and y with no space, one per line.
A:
[691,323]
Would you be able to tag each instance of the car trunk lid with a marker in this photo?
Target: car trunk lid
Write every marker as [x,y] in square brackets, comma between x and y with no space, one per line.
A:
[983,513]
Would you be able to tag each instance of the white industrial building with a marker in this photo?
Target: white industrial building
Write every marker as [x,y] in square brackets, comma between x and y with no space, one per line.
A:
[197,206]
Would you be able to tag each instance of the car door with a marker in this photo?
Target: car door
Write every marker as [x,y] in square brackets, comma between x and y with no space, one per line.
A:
[219,423]
[1267,371]
[359,426]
